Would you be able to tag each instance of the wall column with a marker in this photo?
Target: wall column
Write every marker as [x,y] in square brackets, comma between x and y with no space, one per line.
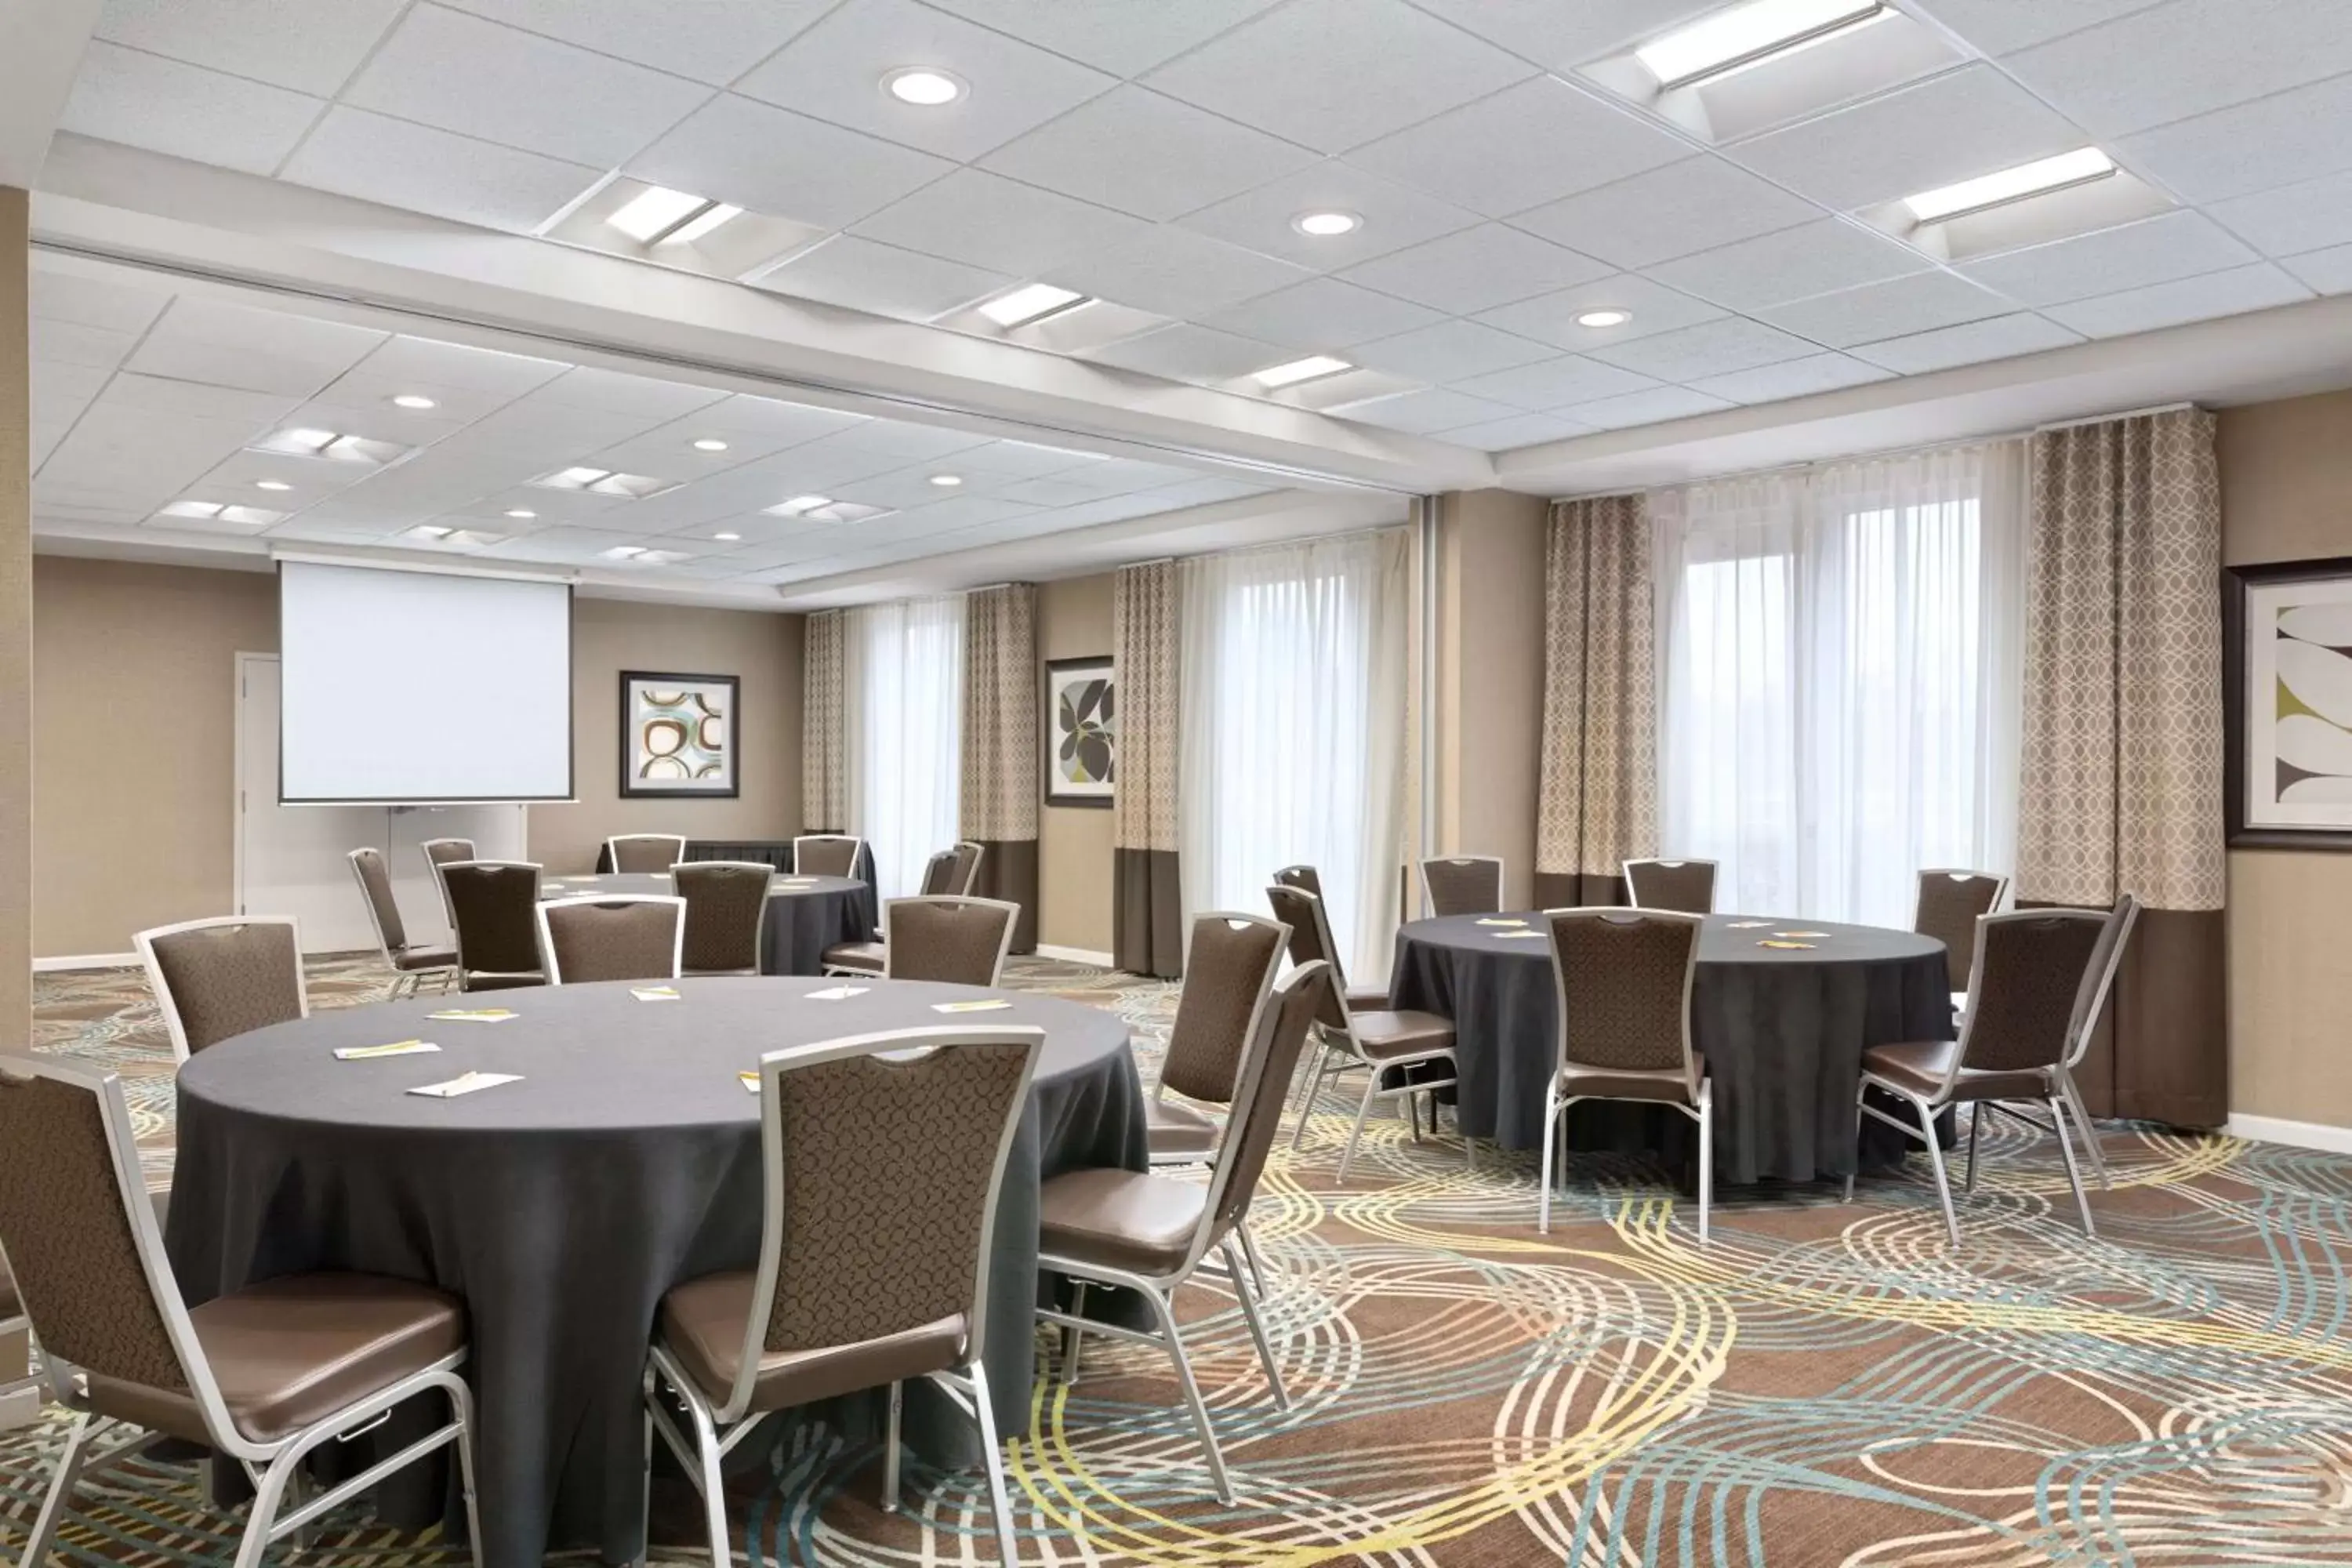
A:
[15,667]
[1490,680]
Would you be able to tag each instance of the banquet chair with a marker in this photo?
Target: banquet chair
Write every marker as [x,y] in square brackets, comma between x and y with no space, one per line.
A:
[1622,986]
[1306,879]
[865,958]
[1381,1041]
[827,853]
[266,1375]
[1229,968]
[2091,1004]
[885,1159]
[968,857]
[493,907]
[2027,1005]
[645,852]
[440,852]
[1464,884]
[411,966]
[725,914]
[1685,884]
[1950,900]
[960,940]
[609,937]
[223,976]
[13,1323]
[1151,1234]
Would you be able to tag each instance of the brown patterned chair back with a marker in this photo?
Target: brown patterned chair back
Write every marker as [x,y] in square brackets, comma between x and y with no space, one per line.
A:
[885,1156]
[493,906]
[938,876]
[726,908]
[1226,976]
[2030,970]
[646,853]
[588,940]
[1310,943]
[1688,886]
[1464,884]
[1264,1083]
[384,909]
[1949,904]
[960,941]
[1306,879]
[2099,979]
[218,978]
[825,854]
[440,852]
[1621,979]
[969,857]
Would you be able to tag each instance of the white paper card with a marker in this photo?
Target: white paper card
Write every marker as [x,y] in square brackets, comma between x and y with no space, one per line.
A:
[838,992]
[988,1006]
[475,1015]
[397,1049]
[654,993]
[467,1084]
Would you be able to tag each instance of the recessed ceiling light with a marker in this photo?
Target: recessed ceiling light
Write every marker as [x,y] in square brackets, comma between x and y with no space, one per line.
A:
[2035,179]
[624,552]
[431,530]
[710,444]
[947,481]
[801,506]
[926,87]
[1032,302]
[1325,224]
[727,538]
[700,224]
[271,485]
[521,513]
[1747,35]
[1604,317]
[654,212]
[194,508]
[309,441]
[1290,373]
[413,400]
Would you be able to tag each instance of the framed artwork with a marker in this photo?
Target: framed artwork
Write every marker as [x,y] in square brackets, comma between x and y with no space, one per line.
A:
[1081,731]
[678,736]
[2286,671]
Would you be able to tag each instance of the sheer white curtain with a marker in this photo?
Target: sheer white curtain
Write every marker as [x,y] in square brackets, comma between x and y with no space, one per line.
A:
[1841,649]
[1293,731]
[904,698]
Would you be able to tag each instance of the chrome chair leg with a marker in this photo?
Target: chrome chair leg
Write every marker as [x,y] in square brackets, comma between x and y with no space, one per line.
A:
[61,1486]
[2082,1125]
[1256,1264]
[1705,1160]
[461,1400]
[1861,1097]
[1935,1158]
[1070,1334]
[269,1494]
[1165,1311]
[2074,1172]
[1553,1111]
[1356,1133]
[890,1449]
[1976,1125]
[1256,1324]
[999,1495]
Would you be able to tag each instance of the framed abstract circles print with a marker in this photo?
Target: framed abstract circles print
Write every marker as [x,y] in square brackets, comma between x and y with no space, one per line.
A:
[678,736]
[2286,654]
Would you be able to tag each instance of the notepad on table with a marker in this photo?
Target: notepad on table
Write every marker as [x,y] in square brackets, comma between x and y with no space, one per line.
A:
[1749,925]
[991,1006]
[466,1084]
[1501,922]
[1800,935]
[797,882]
[1786,945]
[750,1078]
[837,993]
[1519,936]
[473,1015]
[397,1049]
[654,993]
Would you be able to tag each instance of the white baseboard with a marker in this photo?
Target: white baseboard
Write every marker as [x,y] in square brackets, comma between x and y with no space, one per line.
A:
[85,960]
[2319,1135]
[1074,955]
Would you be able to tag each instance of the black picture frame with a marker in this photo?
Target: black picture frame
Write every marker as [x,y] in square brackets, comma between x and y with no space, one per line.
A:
[2236,583]
[1059,673]
[732,748]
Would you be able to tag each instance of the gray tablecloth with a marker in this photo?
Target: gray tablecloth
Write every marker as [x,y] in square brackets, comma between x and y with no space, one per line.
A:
[564,1206]
[802,920]
[1782,1033]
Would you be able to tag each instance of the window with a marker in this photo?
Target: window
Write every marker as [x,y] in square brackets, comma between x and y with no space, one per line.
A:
[905,702]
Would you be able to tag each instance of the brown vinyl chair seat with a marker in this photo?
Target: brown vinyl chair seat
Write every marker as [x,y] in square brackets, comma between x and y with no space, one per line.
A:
[412,958]
[1367,998]
[865,957]
[290,1352]
[1176,1131]
[1922,1066]
[1668,1086]
[1389,1037]
[1119,1219]
[705,1322]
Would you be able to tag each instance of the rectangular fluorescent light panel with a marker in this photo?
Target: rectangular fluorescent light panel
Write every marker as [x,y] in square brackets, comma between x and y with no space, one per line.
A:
[1749,33]
[304,442]
[1032,302]
[1299,370]
[701,224]
[604,483]
[825,509]
[2039,178]
[654,212]
[215,512]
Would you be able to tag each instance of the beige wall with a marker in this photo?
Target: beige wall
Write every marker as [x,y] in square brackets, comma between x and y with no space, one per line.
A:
[1074,854]
[15,634]
[1490,655]
[2286,495]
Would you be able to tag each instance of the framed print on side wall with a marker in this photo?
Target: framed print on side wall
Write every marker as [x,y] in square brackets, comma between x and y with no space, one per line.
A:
[2286,655]
[1081,731]
[678,736]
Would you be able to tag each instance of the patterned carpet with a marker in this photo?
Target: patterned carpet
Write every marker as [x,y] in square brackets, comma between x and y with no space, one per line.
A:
[1823,1385]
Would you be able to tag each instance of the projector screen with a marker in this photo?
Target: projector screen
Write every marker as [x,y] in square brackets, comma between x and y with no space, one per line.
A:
[416,687]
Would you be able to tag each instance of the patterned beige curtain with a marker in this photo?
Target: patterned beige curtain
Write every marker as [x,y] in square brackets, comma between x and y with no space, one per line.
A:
[825,724]
[998,803]
[1596,792]
[1147,912]
[2121,779]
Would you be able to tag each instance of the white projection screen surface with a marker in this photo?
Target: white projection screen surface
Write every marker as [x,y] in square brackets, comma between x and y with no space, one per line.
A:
[416,687]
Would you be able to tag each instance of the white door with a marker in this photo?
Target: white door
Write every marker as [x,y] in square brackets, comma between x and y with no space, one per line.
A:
[294,860]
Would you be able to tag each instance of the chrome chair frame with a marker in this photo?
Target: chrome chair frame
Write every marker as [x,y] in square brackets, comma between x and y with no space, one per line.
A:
[1003,946]
[972,872]
[676,840]
[759,936]
[405,982]
[145,943]
[2093,1006]
[1429,895]
[547,941]
[467,975]
[1634,895]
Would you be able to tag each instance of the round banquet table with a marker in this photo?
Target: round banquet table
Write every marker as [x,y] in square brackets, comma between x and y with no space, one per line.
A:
[564,1206]
[1783,1032]
[805,914]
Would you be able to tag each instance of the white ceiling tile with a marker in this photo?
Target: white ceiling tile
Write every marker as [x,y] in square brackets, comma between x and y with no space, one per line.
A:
[210,342]
[69,342]
[459,364]
[1475,269]
[860,275]
[2171,61]
[1321,313]
[1951,127]
[1047,493]
[1148,155]
[1520,430]
[1919,303]
[1334,73]
[456,72]
[1503,155]
[94,301]
[378,420]
[2329,271]
[835,71]
[1790,378]
[899,438]
[365,387]
[1557,36]
[983,220]
[1552,318]
[2242,288]
[1448,351]
[616,392]
[1695,204]
[784,164]
[1555,383]
[1426,411]
[310,46]
[2002,26]
[1126,38]
[399,165]
[1186,352]
[791,422]
[2000,338]
[256,411]
[2177,245]
[1020,459]
[2295,218]
[2295,135]
[1652,407]
[1175,272]
[1711,348]
[144,100]
[60,391]
[710,41]
[1793,264]
[1394,216]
